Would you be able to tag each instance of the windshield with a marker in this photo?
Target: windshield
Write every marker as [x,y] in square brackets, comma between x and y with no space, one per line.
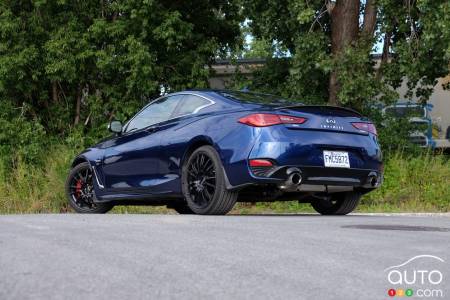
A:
[406,111]
[248,97]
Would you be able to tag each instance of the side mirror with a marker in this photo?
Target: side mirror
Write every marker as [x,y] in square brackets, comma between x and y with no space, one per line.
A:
[115,126]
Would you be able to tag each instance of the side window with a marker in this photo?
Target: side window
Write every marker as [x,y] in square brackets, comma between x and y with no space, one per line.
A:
[154,113]
[191,104]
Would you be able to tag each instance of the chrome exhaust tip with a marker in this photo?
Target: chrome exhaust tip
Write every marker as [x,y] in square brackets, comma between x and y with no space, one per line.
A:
[372,179]
[295,178]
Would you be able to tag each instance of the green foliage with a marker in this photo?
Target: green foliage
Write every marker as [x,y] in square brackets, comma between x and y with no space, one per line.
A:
[33,189]
[412,183]
[20,137]
[275,70]
[68,67]
[110,57]
[394,134]
[419,43]
[309,68]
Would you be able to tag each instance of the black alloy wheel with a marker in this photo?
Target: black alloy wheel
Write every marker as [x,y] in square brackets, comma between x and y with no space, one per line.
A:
[204,186]
[201,179]
[80,191]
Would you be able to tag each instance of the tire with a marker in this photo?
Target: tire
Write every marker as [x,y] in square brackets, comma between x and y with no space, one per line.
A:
[203,170]
[75,186]
[339,204]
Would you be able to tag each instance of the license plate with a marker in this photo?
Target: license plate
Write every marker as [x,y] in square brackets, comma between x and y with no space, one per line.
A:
[336,159]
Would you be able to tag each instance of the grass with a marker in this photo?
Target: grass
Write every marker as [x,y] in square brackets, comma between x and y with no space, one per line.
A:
[412,184]
[36,189]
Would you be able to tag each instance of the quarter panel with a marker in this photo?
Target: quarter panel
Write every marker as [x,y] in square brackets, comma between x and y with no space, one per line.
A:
[232,140]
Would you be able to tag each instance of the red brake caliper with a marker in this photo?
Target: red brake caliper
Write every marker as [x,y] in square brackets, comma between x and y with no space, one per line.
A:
[78,188]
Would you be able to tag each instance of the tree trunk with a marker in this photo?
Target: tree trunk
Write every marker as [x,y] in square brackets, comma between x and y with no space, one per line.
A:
[344,30]
[333,89]
[370,18]
[384,55]
[78,107]
[54,92]
[102,5]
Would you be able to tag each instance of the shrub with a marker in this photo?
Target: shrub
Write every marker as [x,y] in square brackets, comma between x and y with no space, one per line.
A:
[29,188]
[412,183]
[19,136]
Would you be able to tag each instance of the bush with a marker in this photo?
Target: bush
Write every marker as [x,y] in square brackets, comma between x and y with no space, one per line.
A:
[412,183]
[19,137]
[30,188]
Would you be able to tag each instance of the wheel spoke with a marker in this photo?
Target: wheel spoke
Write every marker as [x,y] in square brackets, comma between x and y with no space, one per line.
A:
[202,161]
[209,166]
[197,163]
[210,184]
[194,169]
[81,188]
[205,200]
[208,195]
[201,179]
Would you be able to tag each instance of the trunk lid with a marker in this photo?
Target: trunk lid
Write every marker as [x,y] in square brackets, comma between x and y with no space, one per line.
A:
[324,118]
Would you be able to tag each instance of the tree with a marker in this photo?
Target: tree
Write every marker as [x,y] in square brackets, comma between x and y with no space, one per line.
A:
[331,42]
[77,63]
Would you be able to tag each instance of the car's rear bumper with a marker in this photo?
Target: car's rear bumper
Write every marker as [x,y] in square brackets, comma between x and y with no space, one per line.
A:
[306,147]
[314,179]
[327,176]
[301,149]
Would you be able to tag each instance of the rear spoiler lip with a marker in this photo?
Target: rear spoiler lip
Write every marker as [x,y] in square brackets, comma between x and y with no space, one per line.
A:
[331,106]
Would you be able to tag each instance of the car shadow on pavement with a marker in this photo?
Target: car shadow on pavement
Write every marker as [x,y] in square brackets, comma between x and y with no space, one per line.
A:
[288,215]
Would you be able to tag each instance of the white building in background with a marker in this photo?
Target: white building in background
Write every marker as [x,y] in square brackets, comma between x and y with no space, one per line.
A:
[440,98]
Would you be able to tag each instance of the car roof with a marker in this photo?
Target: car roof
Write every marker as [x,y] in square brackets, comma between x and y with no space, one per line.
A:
[240,98]
[220,102]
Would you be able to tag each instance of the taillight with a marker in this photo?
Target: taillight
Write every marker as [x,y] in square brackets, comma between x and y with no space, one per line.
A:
[262,120]
[368,127]
[261,167]
[260,163]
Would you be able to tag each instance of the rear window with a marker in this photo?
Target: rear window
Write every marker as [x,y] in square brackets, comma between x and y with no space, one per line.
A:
[191,104]
[327,110]
[256,98]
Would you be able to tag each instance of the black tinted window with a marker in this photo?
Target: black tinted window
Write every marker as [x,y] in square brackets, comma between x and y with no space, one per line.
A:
[191,104]
[406,111]
[156,112]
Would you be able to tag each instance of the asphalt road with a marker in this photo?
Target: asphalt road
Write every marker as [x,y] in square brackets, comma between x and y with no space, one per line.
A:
[198,257]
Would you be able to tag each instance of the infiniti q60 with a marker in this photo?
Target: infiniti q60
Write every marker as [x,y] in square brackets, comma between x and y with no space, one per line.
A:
[202,151]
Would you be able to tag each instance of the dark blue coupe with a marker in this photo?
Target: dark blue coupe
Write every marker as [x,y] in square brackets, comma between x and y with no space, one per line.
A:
[201,151]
